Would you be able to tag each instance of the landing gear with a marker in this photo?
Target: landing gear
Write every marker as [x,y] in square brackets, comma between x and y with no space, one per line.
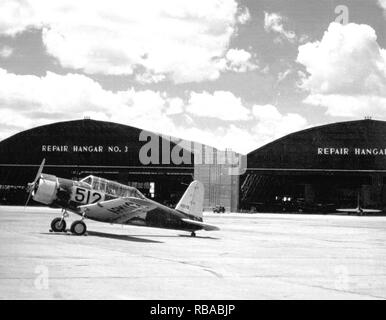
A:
[78,228]
[58,225]
[193,234]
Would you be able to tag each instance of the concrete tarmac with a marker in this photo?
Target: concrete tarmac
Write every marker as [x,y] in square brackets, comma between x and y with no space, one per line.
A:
[260,256]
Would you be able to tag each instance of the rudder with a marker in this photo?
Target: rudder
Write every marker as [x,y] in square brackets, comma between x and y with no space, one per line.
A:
[192,202]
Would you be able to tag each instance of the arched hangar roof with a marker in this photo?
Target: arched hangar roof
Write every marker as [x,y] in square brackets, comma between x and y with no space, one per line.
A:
[343,146]
[80,142]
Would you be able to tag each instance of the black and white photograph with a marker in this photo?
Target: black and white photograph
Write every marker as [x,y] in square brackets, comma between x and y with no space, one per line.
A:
[192,150]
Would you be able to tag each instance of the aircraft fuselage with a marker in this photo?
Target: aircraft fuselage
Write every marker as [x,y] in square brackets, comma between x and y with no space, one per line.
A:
[72,195]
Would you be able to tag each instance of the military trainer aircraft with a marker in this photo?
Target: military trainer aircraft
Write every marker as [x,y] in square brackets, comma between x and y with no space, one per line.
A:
[108,201]
[359,210]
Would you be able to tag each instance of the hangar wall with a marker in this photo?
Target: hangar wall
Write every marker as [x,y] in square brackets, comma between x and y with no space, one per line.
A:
[221,186]
[319,169]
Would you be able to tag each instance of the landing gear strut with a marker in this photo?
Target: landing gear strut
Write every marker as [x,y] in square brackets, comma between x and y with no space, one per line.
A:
[59,224]
[77,227]
[193,234]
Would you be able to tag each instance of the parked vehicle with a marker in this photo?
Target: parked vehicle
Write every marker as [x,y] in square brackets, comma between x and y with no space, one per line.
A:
[219,209]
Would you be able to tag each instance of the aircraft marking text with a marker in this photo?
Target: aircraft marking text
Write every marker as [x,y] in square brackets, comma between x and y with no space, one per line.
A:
[86,196]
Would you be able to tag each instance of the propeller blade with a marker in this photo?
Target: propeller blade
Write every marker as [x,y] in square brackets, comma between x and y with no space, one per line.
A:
[39,171]
[31,186]
[28,199]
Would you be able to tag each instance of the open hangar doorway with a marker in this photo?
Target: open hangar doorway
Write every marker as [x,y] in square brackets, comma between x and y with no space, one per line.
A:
[309,193]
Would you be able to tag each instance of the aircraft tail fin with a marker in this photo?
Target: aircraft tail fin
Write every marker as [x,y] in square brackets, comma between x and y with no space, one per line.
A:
[192,202]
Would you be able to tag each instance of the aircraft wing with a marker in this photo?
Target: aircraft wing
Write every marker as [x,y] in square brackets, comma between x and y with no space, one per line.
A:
[205,226]
[121,210]
[371,210]
[130,210]
[356,210]
[348,210]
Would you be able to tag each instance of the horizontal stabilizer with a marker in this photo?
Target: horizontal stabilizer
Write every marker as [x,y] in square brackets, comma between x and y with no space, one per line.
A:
[359,210]
[371,210]
[205,226]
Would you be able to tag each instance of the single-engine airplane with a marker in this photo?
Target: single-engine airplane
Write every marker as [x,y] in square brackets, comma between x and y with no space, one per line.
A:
[359,210]
[108,201]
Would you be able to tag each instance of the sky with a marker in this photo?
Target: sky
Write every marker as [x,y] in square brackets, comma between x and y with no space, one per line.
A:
[229,73]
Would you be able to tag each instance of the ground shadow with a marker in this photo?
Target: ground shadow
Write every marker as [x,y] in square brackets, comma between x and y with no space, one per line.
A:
[199,237]
[120,237]
[139,236]
[123,237]
[174,236]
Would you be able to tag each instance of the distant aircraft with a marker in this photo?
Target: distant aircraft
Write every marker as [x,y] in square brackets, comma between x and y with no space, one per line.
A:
[359,210]
[108,201]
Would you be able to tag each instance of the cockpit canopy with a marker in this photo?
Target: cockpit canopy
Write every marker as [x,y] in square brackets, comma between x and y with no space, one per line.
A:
[112,188]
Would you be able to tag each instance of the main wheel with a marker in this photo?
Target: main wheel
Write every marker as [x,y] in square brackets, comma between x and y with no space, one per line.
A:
[58,225]
[78,227]
[193,234]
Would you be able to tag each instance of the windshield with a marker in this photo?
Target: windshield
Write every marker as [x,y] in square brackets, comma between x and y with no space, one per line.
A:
[112,188]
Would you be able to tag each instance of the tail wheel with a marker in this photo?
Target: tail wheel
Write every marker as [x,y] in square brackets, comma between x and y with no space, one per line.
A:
[78,227]
[58,225]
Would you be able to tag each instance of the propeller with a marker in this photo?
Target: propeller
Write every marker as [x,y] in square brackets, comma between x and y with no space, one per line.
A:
[32,185]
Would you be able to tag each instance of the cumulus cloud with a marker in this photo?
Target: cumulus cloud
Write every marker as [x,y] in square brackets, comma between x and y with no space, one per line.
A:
[181,40]
[244,16]
[283,75]
[239,60]
[272,124]
[222,105]
[382,4]
[35,100]
[346,71]
[273,22]
[5,52]
[27,101]
[16,16]
[354,106]
[175,106]
[148,77]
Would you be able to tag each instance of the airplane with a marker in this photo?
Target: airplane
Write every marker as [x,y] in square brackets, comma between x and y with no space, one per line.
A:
[108,201]
[359,210]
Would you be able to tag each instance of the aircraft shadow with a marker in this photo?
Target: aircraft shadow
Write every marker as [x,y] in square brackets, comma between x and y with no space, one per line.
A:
[123,237]
[179,235]
[120,237]
[198,237]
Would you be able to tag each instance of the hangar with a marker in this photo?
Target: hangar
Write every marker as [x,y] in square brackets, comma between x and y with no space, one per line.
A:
[319,169]
[75,149]
[161,167]
[315,170]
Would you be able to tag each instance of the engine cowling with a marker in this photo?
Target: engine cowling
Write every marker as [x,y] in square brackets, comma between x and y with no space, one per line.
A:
[46,189]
